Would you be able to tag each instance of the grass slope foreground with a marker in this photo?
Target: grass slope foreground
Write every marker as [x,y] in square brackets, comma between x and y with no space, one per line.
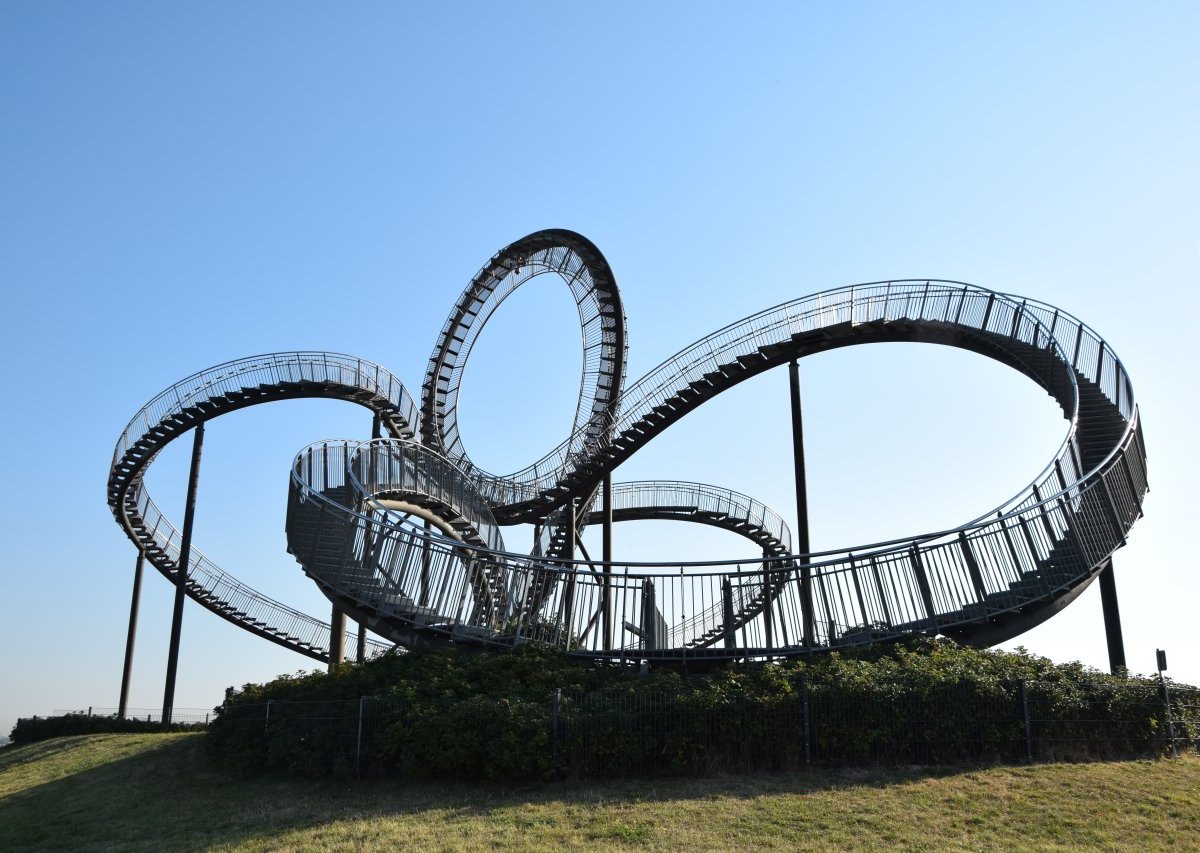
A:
[159,792]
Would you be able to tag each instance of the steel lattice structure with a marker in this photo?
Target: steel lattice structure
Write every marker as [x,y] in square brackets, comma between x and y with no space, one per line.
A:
[403,533]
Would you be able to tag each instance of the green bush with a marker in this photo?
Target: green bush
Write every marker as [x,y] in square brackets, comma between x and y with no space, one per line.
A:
[30,730]
[467,714]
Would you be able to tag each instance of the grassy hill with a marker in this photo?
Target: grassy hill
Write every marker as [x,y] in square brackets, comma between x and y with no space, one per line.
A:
[159,792]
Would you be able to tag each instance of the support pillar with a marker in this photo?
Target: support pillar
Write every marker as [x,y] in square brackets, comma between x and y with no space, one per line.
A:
[181,573]
[768,606]
[802,541]
[607,556]
[568,604]
[361,651]
[1112,619]
[131,636]
[425,559]
[337,637]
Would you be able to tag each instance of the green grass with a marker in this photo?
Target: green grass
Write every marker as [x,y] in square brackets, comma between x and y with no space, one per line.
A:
[159,792]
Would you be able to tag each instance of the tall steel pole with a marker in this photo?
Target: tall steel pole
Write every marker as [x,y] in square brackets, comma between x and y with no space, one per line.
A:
[1112,619]
[337,637]
[802,542]
[607,556]
[181,574]
[361,651]
[131,636]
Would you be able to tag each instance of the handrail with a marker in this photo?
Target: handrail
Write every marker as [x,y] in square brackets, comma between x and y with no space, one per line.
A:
[209,393]
[987,578]
[936,581]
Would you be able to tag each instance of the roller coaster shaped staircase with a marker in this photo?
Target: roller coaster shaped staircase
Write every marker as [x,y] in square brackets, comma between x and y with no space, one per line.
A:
[403,533]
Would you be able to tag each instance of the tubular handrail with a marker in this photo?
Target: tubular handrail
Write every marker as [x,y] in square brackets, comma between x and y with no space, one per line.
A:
[1059,513]
[859,304]
[204,395]
[983,580]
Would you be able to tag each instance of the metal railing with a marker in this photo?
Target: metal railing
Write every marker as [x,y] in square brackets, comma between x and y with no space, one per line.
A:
[1050,538]
[1038,546]
[193,716]
[205,395]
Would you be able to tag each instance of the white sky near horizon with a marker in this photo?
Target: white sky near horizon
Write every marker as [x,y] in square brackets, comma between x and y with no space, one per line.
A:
[186,184]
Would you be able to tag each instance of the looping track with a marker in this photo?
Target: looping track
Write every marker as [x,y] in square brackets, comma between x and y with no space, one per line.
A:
[356,509]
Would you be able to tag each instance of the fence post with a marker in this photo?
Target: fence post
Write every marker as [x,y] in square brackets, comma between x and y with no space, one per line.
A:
[555,720]
[89,712]
[1028,722]
[1166,697]
[362,702]
[807,721]
[267,718]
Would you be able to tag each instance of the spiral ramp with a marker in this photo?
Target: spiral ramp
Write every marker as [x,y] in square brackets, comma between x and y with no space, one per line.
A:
[404,534]
[207,395]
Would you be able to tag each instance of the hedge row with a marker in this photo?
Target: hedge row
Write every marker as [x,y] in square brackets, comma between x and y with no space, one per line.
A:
[30,730]
[465,714]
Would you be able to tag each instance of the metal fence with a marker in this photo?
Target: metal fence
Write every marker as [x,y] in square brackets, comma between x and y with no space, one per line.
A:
[646,733]
[149,715]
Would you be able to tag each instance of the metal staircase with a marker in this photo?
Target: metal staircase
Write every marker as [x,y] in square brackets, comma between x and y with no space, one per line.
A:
[358,511]
[209,394]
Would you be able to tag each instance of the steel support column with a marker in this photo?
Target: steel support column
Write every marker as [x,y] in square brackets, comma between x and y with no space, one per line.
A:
[568,604]
[337,637]
[1112,619]
[802,546]
[424,598]
[181,573]
[131,636]
[607,556]
[361,651]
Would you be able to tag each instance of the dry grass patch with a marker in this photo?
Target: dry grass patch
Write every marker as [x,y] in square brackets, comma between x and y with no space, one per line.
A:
[156,792]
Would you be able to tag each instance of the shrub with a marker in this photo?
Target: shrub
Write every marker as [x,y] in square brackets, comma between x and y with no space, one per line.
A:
[468,714]
[32,729]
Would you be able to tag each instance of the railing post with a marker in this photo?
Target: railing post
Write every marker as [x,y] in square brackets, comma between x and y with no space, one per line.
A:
[1166,697]
[804,707]
[555,723]
[923,583]
[1028,722]
[727,613]
[362,702]
[972,566]
[987,314]
[879,590]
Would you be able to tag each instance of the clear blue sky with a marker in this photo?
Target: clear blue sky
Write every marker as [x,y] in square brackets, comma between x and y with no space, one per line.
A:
[184,184]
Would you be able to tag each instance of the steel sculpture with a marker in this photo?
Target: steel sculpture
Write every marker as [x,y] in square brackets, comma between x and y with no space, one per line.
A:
[403,533]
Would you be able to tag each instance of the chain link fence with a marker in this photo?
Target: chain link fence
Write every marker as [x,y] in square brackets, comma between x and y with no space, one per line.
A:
[149,715]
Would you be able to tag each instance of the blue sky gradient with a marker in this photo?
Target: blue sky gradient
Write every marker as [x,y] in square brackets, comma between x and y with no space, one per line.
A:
[185,184]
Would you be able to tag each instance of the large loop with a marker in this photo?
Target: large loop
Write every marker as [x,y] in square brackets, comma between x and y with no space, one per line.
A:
[601,317]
